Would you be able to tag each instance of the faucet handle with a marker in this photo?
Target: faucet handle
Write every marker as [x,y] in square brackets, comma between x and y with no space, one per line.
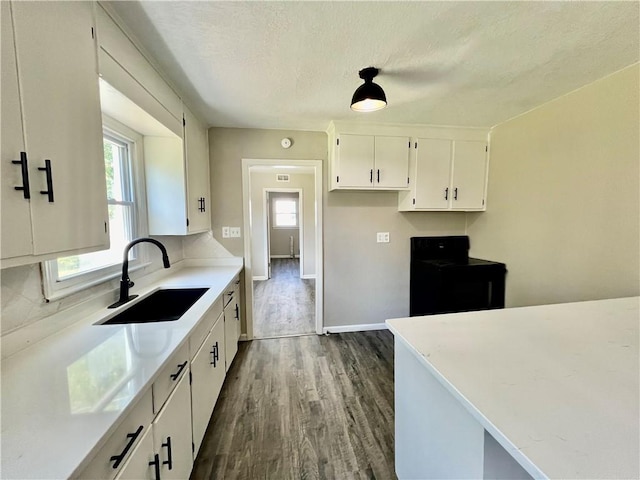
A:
[130,283]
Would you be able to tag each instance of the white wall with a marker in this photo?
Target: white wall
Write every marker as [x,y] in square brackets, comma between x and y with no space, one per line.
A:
[563,204]
[265,180]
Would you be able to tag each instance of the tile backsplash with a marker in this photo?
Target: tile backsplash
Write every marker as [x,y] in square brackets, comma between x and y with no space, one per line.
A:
[22,300]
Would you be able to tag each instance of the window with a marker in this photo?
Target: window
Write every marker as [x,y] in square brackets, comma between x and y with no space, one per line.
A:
[67,275]
[285,213]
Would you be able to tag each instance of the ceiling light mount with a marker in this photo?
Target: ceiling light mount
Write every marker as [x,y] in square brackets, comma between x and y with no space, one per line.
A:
[369,96]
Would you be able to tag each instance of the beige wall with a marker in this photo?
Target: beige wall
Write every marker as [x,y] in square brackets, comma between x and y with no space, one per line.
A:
[261,181]
[364,282]
[563,203]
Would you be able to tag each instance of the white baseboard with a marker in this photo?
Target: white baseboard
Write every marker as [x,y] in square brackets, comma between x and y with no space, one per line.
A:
[308,277]
[284,256]
[260,277]
[355,328]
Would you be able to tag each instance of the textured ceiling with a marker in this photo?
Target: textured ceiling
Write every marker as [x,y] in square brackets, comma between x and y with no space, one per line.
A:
[294,65]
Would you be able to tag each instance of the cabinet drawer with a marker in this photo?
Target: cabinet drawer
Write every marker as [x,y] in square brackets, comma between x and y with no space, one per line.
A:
[204,327]
[122,442]
[169,377]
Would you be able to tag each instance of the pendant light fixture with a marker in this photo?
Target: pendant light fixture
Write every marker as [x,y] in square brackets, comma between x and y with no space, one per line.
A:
[369,96]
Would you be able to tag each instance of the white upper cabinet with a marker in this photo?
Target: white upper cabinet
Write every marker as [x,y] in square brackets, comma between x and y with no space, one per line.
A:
[364,160]
[447,175]
[177,176]
[56,127]
[370,162]
[198,191]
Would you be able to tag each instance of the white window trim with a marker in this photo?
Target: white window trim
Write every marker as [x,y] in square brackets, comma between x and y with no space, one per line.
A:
[54,289]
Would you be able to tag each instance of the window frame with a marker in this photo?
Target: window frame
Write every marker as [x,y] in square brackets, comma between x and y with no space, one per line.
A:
[55,288]
[293,198]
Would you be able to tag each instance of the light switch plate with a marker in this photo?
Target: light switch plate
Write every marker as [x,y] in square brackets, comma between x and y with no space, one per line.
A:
[234,232]
[225,232]
[382,237]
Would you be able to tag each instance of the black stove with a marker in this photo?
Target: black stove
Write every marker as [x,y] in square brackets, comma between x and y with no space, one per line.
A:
[444,279]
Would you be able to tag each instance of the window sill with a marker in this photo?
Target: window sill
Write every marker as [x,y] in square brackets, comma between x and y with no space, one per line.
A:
[63,292]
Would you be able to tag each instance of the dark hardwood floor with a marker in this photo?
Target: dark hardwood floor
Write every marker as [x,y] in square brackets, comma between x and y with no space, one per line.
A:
[284,304]
[309,407]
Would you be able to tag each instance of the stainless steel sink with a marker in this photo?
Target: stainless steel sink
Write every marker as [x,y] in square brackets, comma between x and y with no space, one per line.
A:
[165,305]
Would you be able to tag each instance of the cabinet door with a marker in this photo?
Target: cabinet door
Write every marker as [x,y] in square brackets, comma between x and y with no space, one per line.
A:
[197,158]
[230,333]
[138,465]
[433,173]
[469,175]
[57,68]
[236,299]
[355,155]
[172,433]
[391,162]
[208,372]
[15,215]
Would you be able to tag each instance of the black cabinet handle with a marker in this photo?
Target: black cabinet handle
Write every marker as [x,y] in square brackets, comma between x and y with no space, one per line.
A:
[174,376]
[446,193]
[371,176]
[156,464]
[237,312]
[378,175]
[201,204]
[215,355]
[117,459]
[47,170]
[25,175]
[455,193]
[168,462]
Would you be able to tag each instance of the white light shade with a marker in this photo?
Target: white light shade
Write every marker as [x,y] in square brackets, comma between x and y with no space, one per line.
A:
[368,105]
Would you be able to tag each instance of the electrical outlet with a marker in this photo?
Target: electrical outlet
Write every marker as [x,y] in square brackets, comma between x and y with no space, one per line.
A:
[225,232]
[234,232]
[382,237]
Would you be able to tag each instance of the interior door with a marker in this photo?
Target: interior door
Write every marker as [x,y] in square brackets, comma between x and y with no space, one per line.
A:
[268,224]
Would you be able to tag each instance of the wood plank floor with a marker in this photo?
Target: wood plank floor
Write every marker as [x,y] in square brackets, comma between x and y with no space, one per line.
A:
[285,304]
[309,407]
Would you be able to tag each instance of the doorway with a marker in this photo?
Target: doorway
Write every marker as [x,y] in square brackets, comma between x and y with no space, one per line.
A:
[283,247]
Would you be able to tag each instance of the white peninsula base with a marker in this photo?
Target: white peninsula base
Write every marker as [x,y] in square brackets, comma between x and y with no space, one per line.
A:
[535,392]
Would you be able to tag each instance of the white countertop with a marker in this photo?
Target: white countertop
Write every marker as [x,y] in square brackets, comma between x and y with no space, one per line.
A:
[64,395]
[558,386]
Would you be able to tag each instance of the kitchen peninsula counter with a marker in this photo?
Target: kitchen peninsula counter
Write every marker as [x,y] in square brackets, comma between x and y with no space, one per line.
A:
[545,392]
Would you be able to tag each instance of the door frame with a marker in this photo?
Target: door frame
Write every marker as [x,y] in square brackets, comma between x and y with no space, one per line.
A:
[267,215]
[316,165]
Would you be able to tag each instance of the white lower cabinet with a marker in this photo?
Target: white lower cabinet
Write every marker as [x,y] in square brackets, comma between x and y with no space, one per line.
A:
[172,433]
[142,461]
[230,333]
[208,369]
[164,452]
[162,434]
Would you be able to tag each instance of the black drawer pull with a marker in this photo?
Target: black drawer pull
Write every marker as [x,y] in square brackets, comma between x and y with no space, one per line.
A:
[47,170]
[378,175]
[455,193]
[371,176]
[168,462]
[237,312]
[25,175]
[156,464]
[117,459]
[446,193]
[174,376]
